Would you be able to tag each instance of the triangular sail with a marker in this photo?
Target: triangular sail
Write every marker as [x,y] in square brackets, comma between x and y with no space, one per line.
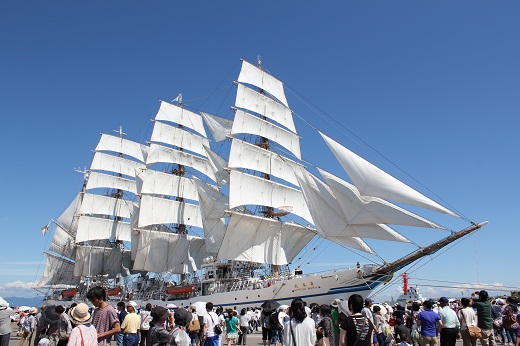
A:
[361,210]
[58,271]
[372,181]
[220,127]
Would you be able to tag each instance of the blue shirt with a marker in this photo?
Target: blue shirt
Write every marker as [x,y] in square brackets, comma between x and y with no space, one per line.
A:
[428,320]
[449,318]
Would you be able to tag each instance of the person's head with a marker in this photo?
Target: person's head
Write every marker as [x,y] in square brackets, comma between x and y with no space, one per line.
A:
[416,305]
[97,295]
[298,309]
[325,310]
[182,317]
[209,306]
[428,304]
[483,296]
[130,307]
[443,301]
[464,302]
[376,309]
[160,314]
[148,307]
[368,302]
[243,311]
[398,321]
[33,311]
[355,303]
[80,314]
[59,309]
[404,337]
[120,306]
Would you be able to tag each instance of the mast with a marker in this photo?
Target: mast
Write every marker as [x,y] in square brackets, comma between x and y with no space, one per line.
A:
[427,250]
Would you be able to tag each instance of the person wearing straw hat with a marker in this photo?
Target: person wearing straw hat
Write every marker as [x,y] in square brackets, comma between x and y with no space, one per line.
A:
[131,325]
[84,334]
[28,326]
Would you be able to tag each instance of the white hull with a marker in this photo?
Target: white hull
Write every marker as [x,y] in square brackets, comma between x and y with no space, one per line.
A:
[314,288]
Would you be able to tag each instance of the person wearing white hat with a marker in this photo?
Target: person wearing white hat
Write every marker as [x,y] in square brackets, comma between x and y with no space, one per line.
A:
[131,325]
[5,324]
[84,334]
[28,326]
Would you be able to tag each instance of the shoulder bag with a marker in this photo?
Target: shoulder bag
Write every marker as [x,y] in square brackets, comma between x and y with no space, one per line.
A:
[474,332]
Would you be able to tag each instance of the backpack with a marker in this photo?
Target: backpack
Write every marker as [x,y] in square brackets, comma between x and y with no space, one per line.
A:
[275,321]
[509,320]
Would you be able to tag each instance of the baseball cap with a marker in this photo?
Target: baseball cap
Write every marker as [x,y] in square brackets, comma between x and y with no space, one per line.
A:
[443,300]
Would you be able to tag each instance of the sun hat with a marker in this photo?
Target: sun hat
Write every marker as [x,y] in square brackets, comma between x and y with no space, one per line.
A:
[44,342]
[160,314]
[132,304]
[80,315]
[171,306]
[335,302]
[33,310]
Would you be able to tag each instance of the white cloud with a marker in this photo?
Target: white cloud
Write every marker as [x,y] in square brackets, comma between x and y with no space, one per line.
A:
[18,289]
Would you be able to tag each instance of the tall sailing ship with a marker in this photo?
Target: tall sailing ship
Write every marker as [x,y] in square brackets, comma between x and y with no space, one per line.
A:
[174,221]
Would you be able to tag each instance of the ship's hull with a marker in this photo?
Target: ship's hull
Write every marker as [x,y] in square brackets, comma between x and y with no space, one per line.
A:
[316,288]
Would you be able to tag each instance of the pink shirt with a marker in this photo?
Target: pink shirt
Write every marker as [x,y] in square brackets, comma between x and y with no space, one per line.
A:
[89,336]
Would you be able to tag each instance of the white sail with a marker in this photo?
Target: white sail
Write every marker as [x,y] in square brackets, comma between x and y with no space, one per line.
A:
[159,183]
[361,210]
[181,116]
[62,243]
[67,218]
[169,252]
[101,180]
[250,156]
[94,228]
[220,127]
[372,181]
[124,146]
[246,189]
[94,260]
[58,271]
[254,101]
[262,240]
[111,163]
[251,74]
[155,211]
[159,153]
[213,206]
[178,137]
[247,123]
[219,165]
[330,221]
[103,205]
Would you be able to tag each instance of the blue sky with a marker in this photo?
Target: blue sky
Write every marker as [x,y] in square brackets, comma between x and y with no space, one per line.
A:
[432,86]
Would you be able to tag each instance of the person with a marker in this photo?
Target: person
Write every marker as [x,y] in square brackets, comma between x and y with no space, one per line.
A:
[404,339]
[210,321]
[158,334]
[131,325]
[41,326]
[104,317]
[64,326]
[121,314]
[84,333]
[231,327]
[282,318]
[509,319]
[517,330]
[485,317]
[401,329]
[244,326]
[146,318]
[325,324]
[430,324]
[467,317]
[178,335]
[265,322]
[5,324]
[450,331]
[497,305]
[276,328]
[379,325]
[357,328]
[300,329]
[334,315]
[194,327]
[367,310]
[28,326]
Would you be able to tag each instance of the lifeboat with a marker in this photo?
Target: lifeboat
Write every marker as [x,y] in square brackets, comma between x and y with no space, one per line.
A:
[179,290]
[69,293]
[114,291]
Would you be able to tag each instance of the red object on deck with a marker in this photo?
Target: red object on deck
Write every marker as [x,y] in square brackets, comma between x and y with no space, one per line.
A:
[179,290]
[71,292]
[114,291]
[405,282]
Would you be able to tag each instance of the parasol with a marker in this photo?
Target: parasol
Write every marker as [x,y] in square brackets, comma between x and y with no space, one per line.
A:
[270,305]
[49,315]
[200,307]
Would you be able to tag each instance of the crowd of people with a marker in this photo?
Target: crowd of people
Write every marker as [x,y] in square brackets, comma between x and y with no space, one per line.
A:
[355,322]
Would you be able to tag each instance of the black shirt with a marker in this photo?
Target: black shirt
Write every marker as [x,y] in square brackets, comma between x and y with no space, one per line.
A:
[358,325]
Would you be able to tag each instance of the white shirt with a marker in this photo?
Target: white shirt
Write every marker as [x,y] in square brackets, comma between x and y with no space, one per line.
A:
[210,320]
[304,333]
